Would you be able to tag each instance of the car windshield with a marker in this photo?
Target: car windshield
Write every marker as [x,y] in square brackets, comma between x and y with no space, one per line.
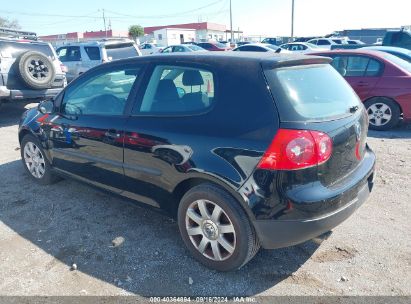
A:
[405,65]
[311,93]
[194,47]
[120,51]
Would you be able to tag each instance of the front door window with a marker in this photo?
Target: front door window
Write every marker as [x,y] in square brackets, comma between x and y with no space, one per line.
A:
[104,94]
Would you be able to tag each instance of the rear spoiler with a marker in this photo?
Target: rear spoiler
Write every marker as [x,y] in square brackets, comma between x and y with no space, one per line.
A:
[295,60]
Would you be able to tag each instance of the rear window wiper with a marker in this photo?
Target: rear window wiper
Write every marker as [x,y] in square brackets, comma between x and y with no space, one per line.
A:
[354,109]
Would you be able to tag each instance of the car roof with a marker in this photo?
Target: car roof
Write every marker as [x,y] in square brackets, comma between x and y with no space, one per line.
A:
[23,41]
[267,60]
[388,48]
[351,51]
[185,45]
[99,43]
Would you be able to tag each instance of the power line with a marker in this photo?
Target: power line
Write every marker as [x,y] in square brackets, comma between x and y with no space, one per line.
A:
[115,13]
[42,15]
[169,15]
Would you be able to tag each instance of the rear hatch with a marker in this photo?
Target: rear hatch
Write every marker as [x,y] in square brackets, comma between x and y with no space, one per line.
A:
[315,97]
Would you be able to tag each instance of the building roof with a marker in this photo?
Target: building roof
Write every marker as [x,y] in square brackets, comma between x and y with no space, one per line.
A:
[195,26]
[176,28]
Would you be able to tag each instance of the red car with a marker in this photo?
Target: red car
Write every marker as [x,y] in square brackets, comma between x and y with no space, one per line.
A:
[381,80]
[213,46]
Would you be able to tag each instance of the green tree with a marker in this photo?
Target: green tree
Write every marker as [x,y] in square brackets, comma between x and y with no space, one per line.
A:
[13,24]
[136,31]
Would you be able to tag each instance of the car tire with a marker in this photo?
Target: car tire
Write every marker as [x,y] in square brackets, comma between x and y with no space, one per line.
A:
[36,70]
[35,161]
[383,113]
[204,237]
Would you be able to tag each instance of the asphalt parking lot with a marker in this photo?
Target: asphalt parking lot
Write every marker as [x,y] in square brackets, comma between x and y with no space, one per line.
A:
[123,249]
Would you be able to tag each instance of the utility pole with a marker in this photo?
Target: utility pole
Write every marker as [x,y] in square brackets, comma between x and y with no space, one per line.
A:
[231,24]
[104,20]
[292,20]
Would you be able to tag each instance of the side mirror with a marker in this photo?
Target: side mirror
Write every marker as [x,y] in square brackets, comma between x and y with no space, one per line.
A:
[46,107]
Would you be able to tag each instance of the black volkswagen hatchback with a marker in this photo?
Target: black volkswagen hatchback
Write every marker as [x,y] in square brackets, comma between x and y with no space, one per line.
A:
[247,150]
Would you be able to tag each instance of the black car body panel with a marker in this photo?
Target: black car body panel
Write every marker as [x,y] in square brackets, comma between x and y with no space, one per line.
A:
[155,158]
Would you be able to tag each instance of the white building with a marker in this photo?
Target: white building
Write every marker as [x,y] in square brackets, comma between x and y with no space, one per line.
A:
[204,31]
[172,36]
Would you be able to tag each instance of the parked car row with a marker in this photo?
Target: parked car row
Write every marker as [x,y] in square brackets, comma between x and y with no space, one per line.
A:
[80,57]
[381,76]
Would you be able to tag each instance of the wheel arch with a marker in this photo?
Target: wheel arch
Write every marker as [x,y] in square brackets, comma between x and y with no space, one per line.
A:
[23,133]
[185,185]
[27,131]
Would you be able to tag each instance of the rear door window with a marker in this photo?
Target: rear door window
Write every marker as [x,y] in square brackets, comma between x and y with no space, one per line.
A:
[252,48]
[70,53]
[357,66]
[311,93]
[93,52]
[373,68]
[173,90]
[323,42]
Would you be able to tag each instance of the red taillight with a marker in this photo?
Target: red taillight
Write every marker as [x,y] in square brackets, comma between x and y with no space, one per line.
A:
[296,149]
[63,67]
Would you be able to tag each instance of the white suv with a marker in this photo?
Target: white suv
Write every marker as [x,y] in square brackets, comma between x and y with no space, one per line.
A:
[29,70]
[82,56]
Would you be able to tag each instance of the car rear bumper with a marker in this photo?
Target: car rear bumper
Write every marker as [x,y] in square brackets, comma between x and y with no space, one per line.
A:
[27,94]
[277,234]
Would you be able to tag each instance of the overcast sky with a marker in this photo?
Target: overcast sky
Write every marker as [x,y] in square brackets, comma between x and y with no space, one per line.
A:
[254,17]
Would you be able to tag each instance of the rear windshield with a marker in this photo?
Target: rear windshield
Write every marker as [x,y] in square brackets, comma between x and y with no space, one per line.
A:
[311,93]
[15,49]
[121,51]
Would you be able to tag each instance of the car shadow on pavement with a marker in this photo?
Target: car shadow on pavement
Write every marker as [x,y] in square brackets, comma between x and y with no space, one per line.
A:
[77,224]
[402,131]
[11,112]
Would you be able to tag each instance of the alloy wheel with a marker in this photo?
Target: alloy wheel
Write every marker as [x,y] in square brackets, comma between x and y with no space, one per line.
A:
[34,160]
[210,230]
[38,69]
[379,114]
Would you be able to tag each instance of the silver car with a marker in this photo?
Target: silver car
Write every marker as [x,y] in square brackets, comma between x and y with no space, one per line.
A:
[183,48]
[82,56]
